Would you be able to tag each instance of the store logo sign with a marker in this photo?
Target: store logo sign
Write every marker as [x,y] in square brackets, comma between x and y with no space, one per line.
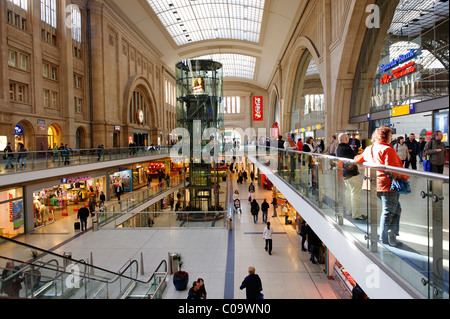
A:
[409,68]
[75,180]
[401,58]
[18,129]
[257,108]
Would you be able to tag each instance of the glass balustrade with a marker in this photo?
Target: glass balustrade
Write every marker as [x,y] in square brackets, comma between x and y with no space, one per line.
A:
[116,213]
[31,161]
[347,193]
[32,273]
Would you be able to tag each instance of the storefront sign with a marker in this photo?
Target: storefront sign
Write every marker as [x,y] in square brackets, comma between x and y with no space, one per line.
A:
[257,108]
[18,129]
[401,58]
[75,180]
[399,72]
[403,110]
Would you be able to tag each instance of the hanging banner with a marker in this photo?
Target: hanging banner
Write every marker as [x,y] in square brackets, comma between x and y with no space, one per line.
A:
[257,108]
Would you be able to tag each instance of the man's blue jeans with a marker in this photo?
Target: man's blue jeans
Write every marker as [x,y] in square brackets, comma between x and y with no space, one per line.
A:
[390,214]
[83,224]
[264,216]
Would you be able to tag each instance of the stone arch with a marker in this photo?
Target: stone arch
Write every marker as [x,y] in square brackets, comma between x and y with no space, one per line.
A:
[141,83]
[57,138]
[29,134]
[274,95]
[81,138]
[303,44]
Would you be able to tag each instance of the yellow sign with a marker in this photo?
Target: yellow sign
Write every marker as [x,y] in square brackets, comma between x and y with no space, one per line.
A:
[400,110]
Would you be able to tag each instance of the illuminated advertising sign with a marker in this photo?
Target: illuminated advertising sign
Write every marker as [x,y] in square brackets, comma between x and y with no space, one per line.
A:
[401,58]
[257,108]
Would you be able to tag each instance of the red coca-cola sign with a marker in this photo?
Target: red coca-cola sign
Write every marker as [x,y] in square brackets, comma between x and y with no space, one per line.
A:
[257,108]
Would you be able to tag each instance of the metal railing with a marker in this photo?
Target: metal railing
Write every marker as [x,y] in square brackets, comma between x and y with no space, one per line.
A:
[350,198]
[110,215]
[17,162]
[51,276]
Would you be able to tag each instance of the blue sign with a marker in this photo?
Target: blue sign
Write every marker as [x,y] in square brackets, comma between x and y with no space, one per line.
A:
[18,129]
[401,58]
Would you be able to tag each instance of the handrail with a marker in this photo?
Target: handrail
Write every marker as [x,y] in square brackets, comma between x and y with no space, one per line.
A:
[63,257]
[156,271]
[406,171]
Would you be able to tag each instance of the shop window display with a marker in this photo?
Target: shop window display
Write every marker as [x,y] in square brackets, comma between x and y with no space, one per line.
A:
[65,199]
[12,217]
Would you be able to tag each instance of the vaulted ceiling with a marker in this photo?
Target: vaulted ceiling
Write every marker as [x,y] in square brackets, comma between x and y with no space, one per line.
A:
[247,36]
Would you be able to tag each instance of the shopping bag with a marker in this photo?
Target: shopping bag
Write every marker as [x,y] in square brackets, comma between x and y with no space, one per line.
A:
[426,165]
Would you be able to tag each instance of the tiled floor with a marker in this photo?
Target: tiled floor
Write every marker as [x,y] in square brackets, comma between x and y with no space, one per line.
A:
[286,274]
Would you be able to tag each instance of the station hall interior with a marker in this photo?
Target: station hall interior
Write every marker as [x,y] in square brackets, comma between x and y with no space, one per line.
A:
[140,137]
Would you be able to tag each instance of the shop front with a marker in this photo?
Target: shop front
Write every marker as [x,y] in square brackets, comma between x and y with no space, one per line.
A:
[57,199]
[124,178]
[12,216]
[402,75]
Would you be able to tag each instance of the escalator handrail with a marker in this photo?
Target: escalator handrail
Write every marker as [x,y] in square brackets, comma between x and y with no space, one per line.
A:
[44,252]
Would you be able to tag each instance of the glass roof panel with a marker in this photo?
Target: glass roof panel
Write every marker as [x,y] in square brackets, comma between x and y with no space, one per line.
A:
[234,65]
[190,21]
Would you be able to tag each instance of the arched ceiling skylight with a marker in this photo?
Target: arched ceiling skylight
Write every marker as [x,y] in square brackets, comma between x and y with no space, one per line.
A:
[189,21]
[234,65]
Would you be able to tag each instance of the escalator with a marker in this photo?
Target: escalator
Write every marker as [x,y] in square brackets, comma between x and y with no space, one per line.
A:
[46,275]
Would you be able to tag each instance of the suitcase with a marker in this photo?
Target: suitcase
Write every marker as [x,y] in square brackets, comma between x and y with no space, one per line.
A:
[77,225]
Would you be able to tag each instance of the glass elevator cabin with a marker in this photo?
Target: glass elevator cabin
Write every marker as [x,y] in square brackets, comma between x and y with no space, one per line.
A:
[200,118]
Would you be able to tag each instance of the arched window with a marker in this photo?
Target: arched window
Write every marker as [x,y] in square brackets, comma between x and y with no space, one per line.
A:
[138,109]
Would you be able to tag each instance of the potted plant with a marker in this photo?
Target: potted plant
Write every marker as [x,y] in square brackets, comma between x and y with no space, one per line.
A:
[180,277]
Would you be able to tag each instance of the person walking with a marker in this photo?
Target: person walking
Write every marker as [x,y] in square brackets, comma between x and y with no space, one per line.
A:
[83,214]
[333,145]
[402,150]
[252,176]
[422,144]
[437,152]
[66,154]
[92,205]
[264,208]
[102,197]
[267,236]
[413,149]
[55,152]
[350,171]
[100,152]
[9,155]
[254,210]
[303,233]
[274,205]
[382,153]
[314,244]
[23,154]
[118,192]
[253,285]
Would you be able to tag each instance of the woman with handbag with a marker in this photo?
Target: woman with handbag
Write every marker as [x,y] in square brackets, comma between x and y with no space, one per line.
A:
[382,153]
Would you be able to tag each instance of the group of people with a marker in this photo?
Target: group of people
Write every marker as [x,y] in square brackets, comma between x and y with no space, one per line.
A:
[21,158]
[62,152]
[408,150]
[198,290]
[383,153]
